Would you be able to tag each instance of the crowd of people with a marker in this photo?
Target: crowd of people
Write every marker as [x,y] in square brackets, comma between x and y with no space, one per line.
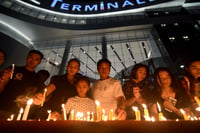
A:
[79,94]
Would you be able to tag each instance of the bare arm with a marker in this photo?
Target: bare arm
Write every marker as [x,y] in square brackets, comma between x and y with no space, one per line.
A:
[38,98]
[4,79]
[120,111]
[50,88]
[121,102]
[130,101]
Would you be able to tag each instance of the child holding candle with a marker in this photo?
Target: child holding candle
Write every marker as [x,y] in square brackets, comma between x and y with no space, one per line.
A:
[170,95]
[81,103]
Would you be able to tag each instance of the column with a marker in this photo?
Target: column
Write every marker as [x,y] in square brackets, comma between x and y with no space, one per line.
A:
[104,47]
[65,56]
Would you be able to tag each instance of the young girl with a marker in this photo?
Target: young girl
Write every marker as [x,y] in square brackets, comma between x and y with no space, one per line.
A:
[80,103]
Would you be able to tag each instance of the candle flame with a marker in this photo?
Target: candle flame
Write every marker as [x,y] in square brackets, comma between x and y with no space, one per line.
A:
[72,111]
[144,106]
[30,101]
[97,102]
[198,109]
[63,106]
[103,111]
[135,108]
[21,110]
[158,105]
[49,111]
[182,111]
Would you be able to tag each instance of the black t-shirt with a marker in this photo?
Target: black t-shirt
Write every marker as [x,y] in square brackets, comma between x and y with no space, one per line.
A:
[22,86]
[64,90]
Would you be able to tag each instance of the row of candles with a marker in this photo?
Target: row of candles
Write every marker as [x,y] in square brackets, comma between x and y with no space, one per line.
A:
[100,113]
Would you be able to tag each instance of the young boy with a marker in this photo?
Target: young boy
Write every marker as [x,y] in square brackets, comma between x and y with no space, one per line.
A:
[80,103]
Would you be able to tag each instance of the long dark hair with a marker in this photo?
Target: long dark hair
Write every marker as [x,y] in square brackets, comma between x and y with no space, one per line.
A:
[174,83]
[136,67]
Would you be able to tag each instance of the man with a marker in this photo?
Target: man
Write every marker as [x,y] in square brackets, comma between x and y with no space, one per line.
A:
[108,91]
[17,86]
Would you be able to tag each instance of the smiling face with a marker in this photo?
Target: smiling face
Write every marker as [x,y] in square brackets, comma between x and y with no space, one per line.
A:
[82,87]
[33,60]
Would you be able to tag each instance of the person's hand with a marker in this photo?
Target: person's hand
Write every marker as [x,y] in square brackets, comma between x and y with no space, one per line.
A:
[38,99]
[140,100]
[121,114]
[55,116]
[5,74]
[136,92]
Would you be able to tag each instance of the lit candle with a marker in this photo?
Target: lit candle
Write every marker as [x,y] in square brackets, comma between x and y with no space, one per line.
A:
[146,112]
[13,68]
[160,114]
[79,116]
[11,117]
[137,113]
[72,114]
[26,111]
[49,116]
[111,114]
[103,114]
[20,114]
[88,116]
[98,108]
[43,97]
[184,114]
[92,116]
[64,112]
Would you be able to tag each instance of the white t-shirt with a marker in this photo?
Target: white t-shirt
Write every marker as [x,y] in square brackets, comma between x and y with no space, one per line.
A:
[106,91]
[79,104]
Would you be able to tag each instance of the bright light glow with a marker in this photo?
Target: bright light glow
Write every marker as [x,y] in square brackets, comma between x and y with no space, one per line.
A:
[135,108]
[182,66]
[97,103]
[35,1]
[159,108]
[198,109]
[30,101]
[17,31]
[88,15]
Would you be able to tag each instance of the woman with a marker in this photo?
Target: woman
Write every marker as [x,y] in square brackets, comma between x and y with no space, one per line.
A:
[60,88]
[170,95]
[136,90]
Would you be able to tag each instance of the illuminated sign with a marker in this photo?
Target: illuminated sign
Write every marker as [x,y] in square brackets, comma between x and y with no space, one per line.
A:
[102,6]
